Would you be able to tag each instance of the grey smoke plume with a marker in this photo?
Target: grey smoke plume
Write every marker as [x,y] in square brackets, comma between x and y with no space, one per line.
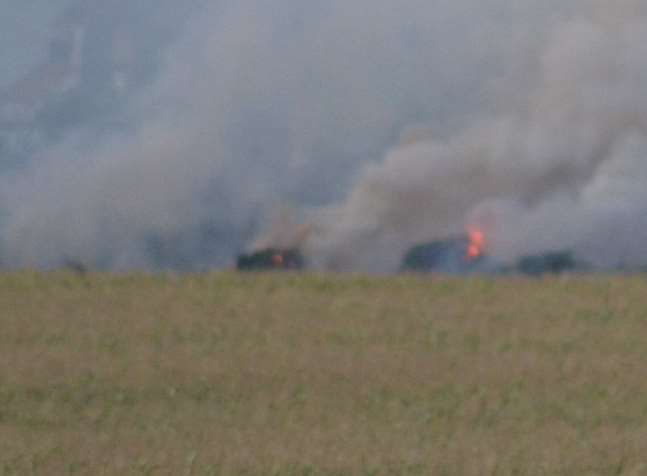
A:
[256,105]
[563,166]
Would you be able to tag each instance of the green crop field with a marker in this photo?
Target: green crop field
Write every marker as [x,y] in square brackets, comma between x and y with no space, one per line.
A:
[289,375]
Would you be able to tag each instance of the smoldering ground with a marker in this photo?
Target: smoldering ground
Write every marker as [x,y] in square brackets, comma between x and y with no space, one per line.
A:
[381,123]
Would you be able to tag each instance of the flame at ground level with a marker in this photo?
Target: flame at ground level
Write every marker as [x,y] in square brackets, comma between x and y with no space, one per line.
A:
[476,246]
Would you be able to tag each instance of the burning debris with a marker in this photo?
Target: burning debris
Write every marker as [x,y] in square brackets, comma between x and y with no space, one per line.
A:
[279,247]
[271,259]
[460,254]
[467,254]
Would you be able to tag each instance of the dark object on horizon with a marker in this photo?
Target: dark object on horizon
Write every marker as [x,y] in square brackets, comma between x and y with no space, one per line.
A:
[271,259]
[76,267]
[451,255]
[553,262]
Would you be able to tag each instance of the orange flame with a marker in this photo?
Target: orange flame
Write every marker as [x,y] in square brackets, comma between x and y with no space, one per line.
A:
[277,260]
[476,246]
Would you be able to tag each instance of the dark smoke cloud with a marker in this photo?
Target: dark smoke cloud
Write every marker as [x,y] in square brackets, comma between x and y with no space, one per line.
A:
[524,117]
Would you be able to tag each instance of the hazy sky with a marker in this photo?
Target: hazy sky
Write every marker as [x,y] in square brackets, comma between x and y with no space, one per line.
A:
[23,34]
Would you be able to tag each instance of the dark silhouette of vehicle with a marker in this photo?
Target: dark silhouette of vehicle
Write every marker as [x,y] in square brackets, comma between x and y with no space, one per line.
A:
[550,262]
[271,259]
[452,255]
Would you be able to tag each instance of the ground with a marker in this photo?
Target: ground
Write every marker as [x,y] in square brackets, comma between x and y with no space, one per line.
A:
[291,374]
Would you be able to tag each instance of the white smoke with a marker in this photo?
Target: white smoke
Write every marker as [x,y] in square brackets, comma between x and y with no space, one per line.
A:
[295,102]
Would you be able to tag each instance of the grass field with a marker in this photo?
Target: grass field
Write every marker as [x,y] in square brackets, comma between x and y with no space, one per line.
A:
[295,375]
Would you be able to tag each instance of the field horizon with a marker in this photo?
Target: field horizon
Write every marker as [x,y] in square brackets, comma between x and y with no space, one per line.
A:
[313,374]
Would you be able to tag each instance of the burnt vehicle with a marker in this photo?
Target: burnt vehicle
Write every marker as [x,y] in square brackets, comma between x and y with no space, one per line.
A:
[271,259]
[550,262]
[454,255]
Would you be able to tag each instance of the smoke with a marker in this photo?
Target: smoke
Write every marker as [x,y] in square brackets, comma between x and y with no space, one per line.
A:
[561,166]
[23,29]
[526,120]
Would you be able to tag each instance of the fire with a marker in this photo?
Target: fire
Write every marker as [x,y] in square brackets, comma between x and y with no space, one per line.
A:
[476,246]
[277,260]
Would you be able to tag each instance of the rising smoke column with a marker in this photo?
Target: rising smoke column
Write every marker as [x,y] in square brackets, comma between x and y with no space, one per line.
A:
[564,166]
[259,105]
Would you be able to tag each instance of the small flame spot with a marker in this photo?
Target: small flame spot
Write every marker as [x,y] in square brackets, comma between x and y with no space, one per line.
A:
[476,246]
[277,260]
